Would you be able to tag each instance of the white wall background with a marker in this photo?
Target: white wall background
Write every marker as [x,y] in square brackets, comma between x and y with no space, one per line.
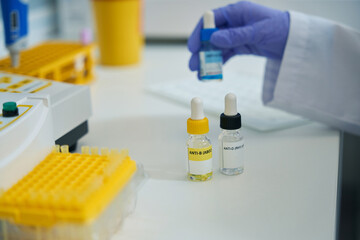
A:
[177,18]
[73,17]
[163,18]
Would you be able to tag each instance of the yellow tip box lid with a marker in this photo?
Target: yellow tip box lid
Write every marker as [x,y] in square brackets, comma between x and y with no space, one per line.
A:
[68,187]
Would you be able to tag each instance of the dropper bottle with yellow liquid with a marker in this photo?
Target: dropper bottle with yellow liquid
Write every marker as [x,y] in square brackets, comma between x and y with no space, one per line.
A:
[198,144]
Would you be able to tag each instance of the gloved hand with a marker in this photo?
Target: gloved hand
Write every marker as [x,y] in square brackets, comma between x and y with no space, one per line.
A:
[244,28]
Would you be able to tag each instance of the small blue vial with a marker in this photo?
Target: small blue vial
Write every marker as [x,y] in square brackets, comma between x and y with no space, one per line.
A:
[210,57]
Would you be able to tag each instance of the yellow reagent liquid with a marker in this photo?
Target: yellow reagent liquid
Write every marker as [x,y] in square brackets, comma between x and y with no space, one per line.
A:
[198,144]
[200,161]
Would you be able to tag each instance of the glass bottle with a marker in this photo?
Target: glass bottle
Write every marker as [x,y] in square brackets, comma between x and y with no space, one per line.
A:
[210,57]
[231,143]
[199,170]
[198,144]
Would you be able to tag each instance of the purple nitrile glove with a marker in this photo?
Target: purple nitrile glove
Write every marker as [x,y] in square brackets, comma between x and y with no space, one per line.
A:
[244,28]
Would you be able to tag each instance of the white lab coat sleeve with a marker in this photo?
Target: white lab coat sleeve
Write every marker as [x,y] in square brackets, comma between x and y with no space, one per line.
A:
[319,75]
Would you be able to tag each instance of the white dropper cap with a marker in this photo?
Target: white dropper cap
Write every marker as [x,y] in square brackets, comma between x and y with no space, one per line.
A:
[197,110]
[209,20]
[230,105]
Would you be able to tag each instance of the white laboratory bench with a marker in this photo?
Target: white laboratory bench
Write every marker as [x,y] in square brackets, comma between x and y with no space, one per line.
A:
[287,191]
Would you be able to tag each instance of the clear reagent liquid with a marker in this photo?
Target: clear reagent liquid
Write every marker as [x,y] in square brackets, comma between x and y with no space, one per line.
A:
[231,143]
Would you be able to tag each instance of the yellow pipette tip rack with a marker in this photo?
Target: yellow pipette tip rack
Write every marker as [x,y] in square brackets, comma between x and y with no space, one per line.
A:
[69,62]
[68,189]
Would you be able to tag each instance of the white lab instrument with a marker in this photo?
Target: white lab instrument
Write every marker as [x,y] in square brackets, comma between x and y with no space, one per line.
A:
[49,112]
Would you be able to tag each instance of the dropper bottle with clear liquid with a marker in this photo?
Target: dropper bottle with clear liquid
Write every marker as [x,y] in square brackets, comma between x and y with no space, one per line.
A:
[231,142]
[210,57]
[198,144]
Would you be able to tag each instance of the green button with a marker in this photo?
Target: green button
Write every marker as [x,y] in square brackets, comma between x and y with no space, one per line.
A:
[9,106]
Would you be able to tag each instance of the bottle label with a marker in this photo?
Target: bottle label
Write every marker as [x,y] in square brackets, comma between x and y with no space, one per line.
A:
[211,64]
[200,160]
[233,154]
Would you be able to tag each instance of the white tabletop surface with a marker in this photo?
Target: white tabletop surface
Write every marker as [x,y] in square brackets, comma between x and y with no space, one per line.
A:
[288,188]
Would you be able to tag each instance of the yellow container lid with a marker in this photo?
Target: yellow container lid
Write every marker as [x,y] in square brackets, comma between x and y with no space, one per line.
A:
[198,126]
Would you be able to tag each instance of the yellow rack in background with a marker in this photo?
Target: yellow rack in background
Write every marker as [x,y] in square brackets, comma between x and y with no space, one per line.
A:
[69,62]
